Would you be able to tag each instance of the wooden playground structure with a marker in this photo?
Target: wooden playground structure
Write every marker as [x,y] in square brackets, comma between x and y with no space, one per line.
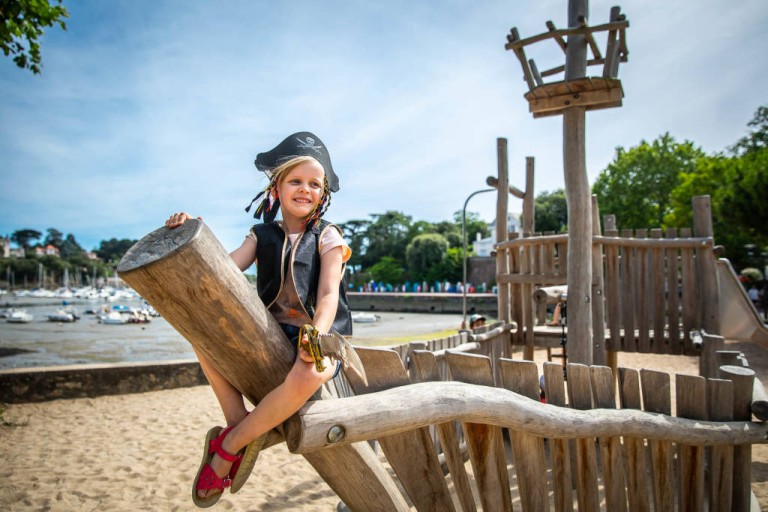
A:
[460,424]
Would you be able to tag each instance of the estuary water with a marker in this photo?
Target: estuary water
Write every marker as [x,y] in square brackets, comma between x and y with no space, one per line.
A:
[87,341]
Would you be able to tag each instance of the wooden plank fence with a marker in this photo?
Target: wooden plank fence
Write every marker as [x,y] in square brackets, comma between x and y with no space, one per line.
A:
[597,444]
[655,288]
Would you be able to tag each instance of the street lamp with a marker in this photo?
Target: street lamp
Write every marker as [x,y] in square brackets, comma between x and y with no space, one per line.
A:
[464,238]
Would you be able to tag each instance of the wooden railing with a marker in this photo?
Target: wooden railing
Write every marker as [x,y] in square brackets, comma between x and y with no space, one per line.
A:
[591,446]
[654,291]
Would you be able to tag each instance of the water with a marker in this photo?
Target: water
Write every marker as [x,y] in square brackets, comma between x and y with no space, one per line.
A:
[86,341]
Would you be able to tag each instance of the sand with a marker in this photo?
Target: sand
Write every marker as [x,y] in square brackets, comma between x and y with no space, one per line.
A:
[141,452]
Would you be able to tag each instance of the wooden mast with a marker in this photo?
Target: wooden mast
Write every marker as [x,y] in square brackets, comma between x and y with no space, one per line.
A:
[572,97]
[577,193]
[190,279]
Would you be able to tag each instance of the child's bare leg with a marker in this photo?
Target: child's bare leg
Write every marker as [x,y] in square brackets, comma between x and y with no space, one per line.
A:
[279,404]
[230,399]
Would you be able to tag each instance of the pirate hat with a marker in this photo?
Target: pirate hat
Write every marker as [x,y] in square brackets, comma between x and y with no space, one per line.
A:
[298,144]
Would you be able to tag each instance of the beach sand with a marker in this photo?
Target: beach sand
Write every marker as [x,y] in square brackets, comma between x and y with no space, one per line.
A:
[141,452]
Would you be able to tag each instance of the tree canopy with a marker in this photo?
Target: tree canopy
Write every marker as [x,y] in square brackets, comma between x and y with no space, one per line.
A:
[635,187]
[652,185]
[551,212]
[21,25]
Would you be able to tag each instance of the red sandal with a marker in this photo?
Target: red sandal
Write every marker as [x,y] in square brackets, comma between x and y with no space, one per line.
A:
[207,478]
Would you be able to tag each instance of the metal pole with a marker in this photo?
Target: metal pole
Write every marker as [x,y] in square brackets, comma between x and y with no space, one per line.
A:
[464,255]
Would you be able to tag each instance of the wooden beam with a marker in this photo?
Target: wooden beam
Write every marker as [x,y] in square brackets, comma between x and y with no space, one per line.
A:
[405,408]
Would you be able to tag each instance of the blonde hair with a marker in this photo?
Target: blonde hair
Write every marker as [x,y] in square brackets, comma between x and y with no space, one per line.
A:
[279,172]
[276,176]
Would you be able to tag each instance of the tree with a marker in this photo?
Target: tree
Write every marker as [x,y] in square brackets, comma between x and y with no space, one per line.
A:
[113,249]
[70,248]
[54,238]
[387,235]
[635,187]
[23,237]
[424,253]
[757,138]
[387,270]
[22,23]
[474,225]
[355,232]
[551,212]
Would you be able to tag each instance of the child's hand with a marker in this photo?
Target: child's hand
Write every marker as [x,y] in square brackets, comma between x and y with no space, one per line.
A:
[303,354]
[177,219]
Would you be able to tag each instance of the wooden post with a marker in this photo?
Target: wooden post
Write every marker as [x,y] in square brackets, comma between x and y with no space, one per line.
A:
[529,215]
[578,196]
[707,266]
[190,279]
[502,233]
[599,355]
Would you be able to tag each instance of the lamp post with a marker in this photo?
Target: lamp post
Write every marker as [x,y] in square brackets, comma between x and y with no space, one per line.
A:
[464,255]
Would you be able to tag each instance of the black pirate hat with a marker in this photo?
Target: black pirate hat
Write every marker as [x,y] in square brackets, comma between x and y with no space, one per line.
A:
[298,144]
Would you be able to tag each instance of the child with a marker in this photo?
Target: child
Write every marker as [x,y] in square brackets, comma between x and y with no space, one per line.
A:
[309,290]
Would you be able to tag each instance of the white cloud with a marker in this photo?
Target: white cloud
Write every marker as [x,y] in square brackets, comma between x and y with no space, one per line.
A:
[145,108]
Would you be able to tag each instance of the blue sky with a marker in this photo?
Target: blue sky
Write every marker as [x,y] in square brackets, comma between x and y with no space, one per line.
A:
[148,107]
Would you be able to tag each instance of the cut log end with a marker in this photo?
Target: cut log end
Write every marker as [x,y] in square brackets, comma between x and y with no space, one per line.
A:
[158,244]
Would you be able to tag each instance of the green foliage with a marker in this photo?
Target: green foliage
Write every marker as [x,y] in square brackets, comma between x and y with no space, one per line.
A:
[21,25]
[24,237]
[424,253]
[383,242]
[70,248]
[387,235]
[551,212]
[635,187]
[757,138]
[387,270]
[474,225]
[54,238]
[113,249]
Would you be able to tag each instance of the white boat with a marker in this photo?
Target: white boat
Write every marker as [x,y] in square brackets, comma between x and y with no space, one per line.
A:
[62,316]
[19,317]
[364,318]
[113,318]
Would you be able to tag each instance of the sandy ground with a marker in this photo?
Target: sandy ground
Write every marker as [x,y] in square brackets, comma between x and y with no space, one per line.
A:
[141,452]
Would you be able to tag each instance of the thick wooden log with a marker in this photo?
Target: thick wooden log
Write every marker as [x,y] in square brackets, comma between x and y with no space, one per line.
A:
[418,405]
[190,279]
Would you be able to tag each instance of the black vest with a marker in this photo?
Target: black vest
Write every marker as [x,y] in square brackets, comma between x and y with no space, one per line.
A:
[274,253]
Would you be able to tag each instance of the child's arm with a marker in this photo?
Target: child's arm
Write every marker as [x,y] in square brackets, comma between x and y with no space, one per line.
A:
[245,255]
[328,289]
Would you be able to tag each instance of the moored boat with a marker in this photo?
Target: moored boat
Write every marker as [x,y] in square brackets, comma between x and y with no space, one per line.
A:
[364,318]
[62,316]
[20,316]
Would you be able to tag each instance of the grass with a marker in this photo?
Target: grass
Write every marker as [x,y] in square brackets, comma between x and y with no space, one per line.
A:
[402,340]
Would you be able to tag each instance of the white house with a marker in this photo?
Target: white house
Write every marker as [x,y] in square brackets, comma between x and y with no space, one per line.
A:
[484,246]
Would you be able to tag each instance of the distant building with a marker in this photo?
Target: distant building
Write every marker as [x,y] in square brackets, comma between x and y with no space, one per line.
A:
[484,246]
[6,251]
[91,256]
[48,250]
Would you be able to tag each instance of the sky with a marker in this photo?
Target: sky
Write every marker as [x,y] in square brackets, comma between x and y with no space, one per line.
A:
[147,107]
